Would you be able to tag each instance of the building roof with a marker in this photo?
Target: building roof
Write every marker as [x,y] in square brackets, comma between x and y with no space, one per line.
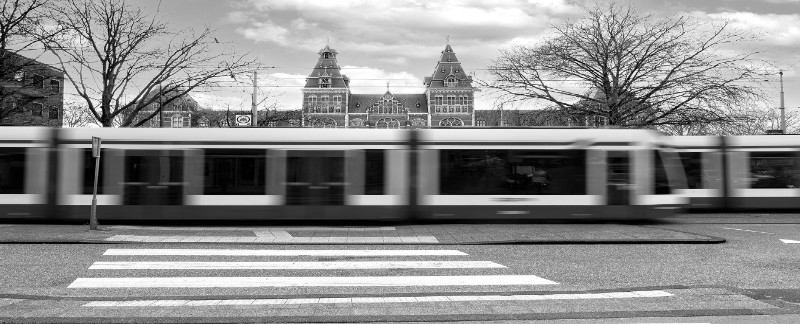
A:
[414,103]
[448,65]
[327,67]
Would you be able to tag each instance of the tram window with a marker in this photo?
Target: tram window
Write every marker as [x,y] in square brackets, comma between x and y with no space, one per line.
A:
[693,168]
[235,172]
[88,173]
[661,184]
[374,172]
[12,170]
[773,170]
[512,172]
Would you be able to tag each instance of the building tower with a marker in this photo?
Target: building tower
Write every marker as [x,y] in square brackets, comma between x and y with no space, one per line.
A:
[449,93]
[326,93]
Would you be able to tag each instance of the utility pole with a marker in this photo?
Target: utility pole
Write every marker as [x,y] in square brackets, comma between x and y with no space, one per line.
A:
[783,108]
[254,120]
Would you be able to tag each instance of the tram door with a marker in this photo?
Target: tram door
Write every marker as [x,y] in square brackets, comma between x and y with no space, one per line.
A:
[153,178]
[619,177]
[315,178]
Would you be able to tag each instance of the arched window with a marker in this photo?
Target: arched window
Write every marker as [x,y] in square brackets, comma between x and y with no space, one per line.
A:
[203,122]
[324,123]
[388,123]
[357,122]
[418,122]
[451,122]
[480,122]
[450,82]
[177,121]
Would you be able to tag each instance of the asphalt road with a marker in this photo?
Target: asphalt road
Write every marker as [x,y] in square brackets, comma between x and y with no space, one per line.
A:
[751,277]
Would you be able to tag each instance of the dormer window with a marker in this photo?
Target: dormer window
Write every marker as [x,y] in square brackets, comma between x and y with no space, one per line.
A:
[324,82]
[450,81]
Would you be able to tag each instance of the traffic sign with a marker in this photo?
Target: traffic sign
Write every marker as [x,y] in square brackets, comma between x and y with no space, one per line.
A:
[243,120]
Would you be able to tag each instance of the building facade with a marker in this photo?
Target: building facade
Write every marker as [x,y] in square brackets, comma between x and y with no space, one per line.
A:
[448,100]
[177,113]
[31,92]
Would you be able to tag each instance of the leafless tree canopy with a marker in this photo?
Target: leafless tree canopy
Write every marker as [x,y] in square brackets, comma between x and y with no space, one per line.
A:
[269,117]
[119,58]
[634,70]
[20,32]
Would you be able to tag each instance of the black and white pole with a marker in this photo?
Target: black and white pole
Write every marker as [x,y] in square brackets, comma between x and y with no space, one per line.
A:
[254,107]
[96,155]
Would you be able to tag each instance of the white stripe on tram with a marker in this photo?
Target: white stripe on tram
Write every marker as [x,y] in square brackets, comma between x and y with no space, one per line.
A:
[208,252]
[252,282]
[123,265]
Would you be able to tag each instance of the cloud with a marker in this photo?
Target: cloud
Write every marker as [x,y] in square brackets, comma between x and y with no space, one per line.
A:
[378,25]
[777,29]
[373,80]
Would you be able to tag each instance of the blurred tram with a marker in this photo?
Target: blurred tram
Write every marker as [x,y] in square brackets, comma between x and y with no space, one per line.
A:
[741,172]
[339,174]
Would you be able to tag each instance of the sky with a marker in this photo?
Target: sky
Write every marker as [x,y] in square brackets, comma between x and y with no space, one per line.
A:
[400,41]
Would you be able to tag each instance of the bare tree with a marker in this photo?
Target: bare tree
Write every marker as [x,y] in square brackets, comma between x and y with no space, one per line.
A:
[121,60]
[269,117]
[77,115]
[631,69]
[21,30]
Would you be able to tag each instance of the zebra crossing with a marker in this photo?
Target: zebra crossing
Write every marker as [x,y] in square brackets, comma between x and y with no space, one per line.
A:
[220,280]
[325,281]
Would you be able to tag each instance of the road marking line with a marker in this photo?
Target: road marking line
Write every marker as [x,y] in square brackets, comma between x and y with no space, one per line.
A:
[262,238]
[369,300]
[790,241]
[240,252]
[245,282]
[744,230]
[261,229]
[141,265]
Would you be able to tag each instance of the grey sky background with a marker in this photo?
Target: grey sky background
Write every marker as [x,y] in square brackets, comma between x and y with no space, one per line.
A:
[399,41]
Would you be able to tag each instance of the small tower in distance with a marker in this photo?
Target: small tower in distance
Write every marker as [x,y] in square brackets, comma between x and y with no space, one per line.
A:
[449,92]
[325,93]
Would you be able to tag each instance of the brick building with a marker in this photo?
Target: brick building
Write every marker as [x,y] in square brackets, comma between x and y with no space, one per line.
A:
[31,92]
[448,99]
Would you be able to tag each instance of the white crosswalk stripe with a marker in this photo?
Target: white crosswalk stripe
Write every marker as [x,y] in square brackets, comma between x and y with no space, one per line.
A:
[236,252]
[297,265]
[221,280]
[243,282]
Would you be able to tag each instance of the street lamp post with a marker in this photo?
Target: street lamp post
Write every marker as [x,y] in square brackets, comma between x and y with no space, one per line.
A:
[783,108]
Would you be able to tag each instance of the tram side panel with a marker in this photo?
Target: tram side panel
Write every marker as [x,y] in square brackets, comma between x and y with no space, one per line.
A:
[23,183]
[505,183]
[764,173]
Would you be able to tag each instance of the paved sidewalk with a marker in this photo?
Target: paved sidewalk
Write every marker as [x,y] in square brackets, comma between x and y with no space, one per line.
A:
[403,234]
[412,308]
